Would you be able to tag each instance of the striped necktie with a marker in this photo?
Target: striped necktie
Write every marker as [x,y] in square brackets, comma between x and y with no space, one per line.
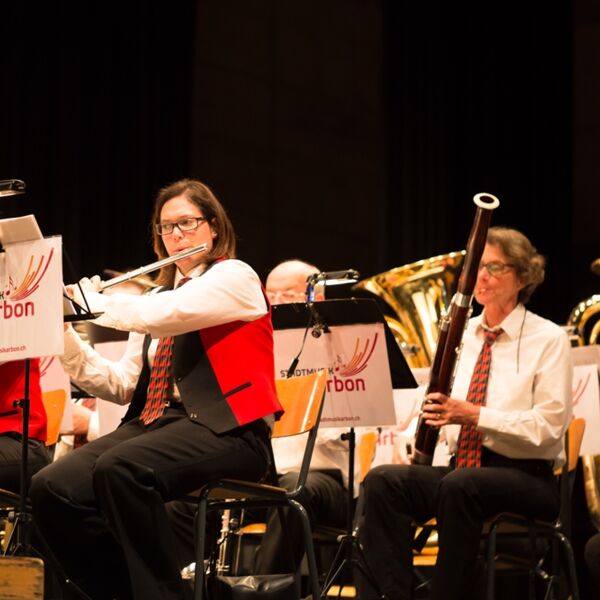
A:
[160,378]
[469,440]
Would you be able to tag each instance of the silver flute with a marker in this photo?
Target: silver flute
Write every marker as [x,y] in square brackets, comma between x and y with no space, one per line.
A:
[153,266]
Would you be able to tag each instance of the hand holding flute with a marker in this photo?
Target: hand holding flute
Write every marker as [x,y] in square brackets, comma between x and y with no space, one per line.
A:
[86,285]
[95,284]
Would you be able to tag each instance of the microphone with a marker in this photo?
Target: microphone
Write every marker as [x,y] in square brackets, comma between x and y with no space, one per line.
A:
[329,278]
[11,187]
[315,324]
[333,277]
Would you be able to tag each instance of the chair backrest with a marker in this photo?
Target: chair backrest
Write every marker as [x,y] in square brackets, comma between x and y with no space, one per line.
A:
[365,448]
[54,403]
[575,438]
[301,398]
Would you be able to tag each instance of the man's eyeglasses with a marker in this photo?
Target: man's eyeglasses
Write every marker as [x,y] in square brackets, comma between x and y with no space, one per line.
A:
[187,224]
[495,267]
[285,296]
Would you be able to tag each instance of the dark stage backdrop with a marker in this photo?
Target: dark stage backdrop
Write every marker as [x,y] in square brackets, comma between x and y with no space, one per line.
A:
[351,133]
[95,111]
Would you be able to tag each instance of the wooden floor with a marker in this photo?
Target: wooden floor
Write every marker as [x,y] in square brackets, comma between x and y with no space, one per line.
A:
[21,578]
[346,591]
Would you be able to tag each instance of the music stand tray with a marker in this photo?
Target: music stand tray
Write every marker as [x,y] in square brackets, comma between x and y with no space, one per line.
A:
[319,317]
[352,311]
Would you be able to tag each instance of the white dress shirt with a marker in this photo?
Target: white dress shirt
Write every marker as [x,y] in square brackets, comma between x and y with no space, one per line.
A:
[330,452]
[528,406]
[229,291]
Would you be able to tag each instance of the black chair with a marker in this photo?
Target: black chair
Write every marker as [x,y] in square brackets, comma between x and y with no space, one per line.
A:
[517,545]
[302,399]
[549,550]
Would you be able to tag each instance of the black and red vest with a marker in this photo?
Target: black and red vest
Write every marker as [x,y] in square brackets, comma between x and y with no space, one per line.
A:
[12,387]
[225,374]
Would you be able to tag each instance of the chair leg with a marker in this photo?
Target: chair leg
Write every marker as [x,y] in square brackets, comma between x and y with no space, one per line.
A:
[570,560]
[200,522]
[310,550]
[491,564]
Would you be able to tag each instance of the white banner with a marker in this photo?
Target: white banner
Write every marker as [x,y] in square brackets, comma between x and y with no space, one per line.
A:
[393,442]
[359,386]
[586,404]
[31,300]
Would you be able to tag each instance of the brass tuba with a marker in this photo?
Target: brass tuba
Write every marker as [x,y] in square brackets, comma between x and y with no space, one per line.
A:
[419,293]
[584,321]
[591,479]
[585,325]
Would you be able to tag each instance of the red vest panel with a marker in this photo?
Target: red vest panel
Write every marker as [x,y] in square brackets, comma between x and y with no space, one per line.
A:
[12,387]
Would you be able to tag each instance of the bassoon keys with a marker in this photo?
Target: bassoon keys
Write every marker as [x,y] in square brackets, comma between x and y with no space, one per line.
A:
[453,324]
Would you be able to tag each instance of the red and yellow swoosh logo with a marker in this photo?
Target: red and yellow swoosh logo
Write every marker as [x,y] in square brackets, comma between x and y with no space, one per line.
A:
[45,363]
[360,357]
[36,269]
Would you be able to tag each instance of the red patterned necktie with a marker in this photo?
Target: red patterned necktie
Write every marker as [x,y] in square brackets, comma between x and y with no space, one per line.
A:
[160,378]
[469,440]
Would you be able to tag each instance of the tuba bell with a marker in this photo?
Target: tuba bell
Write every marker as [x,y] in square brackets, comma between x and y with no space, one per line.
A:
[584,323]
[419,293]
[591,480]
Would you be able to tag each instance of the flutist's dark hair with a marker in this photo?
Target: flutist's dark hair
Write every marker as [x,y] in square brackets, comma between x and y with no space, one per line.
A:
[528,263]
[201,195]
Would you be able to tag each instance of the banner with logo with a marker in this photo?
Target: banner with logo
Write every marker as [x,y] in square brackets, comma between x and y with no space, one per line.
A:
[359,386]
[31,313]
[586,404]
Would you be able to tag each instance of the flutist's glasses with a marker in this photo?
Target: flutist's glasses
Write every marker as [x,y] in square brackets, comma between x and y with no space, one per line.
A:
[187,224]
[495,267]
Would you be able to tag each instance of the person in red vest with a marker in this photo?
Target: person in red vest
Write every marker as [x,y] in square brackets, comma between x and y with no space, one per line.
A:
[198,374]
[325,496]
[12,389]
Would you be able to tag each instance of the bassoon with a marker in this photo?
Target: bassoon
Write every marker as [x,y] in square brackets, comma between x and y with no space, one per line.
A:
[452,326]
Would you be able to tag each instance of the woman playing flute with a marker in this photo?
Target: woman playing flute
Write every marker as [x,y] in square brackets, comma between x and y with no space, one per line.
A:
[198,375]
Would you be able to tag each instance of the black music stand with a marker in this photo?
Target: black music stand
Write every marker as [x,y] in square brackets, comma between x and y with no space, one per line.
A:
[72,311]
[22,516]
[19,541]
[317,317]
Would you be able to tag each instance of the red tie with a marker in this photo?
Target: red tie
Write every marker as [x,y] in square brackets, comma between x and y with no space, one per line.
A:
[469,440]
[160,378]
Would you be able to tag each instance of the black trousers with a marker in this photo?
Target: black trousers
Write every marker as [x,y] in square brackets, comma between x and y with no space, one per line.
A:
[460,499]
[101,508]
[325,501]
[592,561]
[10,460]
